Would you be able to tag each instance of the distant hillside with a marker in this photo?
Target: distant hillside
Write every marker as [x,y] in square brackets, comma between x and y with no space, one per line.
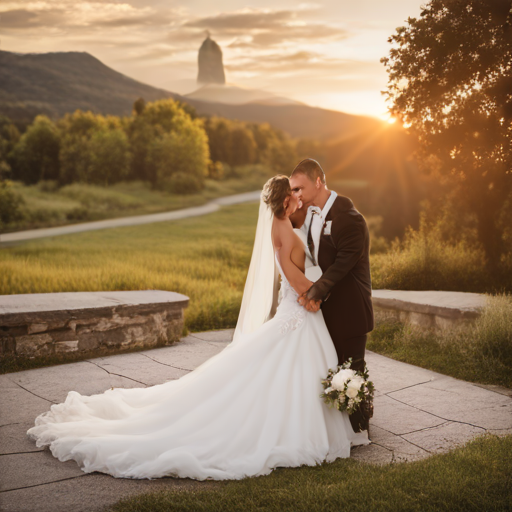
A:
[236,95]
[57,83]
[364,158]
[297,120]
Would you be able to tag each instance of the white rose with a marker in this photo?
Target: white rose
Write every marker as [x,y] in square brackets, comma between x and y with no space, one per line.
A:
[351,392]
[356,383]
[339,380]
[328,390]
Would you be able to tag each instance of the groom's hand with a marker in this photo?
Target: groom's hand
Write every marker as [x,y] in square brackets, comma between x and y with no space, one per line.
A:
[311,305]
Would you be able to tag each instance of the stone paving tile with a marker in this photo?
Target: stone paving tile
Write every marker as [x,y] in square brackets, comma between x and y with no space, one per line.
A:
[372,452]
[54,383]
[188,354]
[13,438]
[402,449]
[444,437]
[138,367]
[389,375]
[457,400]
[500,432]
[497,389]
[400,419]
[18,405]
[34,469]
[91,492]
[225,335]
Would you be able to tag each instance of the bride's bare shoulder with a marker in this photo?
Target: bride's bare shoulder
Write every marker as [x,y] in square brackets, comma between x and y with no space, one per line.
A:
[282,232]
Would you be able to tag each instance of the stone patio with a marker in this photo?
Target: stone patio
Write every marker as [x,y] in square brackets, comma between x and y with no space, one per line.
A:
[417,413]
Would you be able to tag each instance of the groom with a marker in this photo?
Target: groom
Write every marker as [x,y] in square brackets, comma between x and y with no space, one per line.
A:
[339,242]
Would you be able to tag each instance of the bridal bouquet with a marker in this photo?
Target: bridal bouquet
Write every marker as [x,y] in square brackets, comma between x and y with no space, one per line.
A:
[346,389]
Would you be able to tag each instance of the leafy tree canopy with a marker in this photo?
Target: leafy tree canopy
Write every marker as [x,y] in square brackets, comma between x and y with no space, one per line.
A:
[450,83]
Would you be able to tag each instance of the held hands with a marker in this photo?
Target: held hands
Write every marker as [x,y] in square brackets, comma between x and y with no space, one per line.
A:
[310,304]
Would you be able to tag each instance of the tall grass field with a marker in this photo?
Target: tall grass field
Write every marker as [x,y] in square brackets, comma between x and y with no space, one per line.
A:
[205,258]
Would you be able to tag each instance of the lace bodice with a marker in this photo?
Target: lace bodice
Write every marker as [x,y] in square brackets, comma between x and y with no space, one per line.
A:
[290,314]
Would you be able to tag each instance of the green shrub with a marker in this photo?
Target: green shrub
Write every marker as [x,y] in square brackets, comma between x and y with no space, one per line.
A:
[99,198]
[216,170]
[79,213]
[37,216]
[11,204]
[425,260]
[182,183]
[48,185]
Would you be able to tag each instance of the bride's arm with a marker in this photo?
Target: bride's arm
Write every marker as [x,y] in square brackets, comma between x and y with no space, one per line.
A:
[295,276]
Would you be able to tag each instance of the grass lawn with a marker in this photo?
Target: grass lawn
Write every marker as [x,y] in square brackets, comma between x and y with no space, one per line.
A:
[477,477]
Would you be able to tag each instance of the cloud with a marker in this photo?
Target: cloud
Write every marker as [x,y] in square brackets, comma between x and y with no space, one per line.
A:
[258,28]
[90,15]
[303,62]
[239,21]
[22,18]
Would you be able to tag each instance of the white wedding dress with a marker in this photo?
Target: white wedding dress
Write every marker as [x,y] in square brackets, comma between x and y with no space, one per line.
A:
[253,407]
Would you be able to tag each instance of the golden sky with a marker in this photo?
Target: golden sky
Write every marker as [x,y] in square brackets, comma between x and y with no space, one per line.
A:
[324,53]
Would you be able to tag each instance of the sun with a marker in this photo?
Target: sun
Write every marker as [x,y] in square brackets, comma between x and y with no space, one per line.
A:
[387,118]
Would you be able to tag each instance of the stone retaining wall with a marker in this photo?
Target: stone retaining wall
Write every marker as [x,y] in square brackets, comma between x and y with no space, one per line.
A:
[37,325]
[427,309]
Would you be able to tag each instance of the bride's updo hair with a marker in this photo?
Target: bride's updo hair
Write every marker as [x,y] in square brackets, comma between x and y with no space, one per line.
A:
[275,191]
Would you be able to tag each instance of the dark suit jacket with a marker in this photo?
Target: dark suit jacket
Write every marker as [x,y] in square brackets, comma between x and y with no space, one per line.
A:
[345,286]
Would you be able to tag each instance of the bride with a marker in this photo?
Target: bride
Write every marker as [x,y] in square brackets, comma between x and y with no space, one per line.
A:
[251,408]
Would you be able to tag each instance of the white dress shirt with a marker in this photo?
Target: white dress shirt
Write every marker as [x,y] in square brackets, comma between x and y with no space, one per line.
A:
[318,220]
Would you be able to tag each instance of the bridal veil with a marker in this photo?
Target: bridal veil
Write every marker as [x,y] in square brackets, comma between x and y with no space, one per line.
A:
[259,301]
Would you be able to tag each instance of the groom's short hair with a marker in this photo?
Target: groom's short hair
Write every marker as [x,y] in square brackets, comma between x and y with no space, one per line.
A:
[311,168]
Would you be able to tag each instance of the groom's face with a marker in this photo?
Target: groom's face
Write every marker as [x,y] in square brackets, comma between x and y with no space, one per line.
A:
[304,189]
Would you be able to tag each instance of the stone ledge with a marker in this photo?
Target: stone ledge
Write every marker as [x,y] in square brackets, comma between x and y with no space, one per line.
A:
[429,309]
[46,324]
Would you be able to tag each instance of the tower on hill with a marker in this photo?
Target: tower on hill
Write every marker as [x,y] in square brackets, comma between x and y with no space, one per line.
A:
[211,68]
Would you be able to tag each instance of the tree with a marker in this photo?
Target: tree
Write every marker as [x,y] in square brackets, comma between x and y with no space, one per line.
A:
[94,149]
[165,139]
[139,106]
[11,203]
[9,137]
[75,154]
[280,155]
[110,156]
[183,151]
[450,83]
[36,156]
[243,146]
[219,138]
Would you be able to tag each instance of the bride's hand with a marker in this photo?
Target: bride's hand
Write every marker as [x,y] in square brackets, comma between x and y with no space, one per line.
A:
[311,305]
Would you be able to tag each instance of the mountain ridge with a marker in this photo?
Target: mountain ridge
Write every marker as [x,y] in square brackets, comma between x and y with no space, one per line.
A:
[56,83]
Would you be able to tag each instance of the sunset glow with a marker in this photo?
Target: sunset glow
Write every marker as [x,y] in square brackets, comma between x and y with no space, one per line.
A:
[325,53]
